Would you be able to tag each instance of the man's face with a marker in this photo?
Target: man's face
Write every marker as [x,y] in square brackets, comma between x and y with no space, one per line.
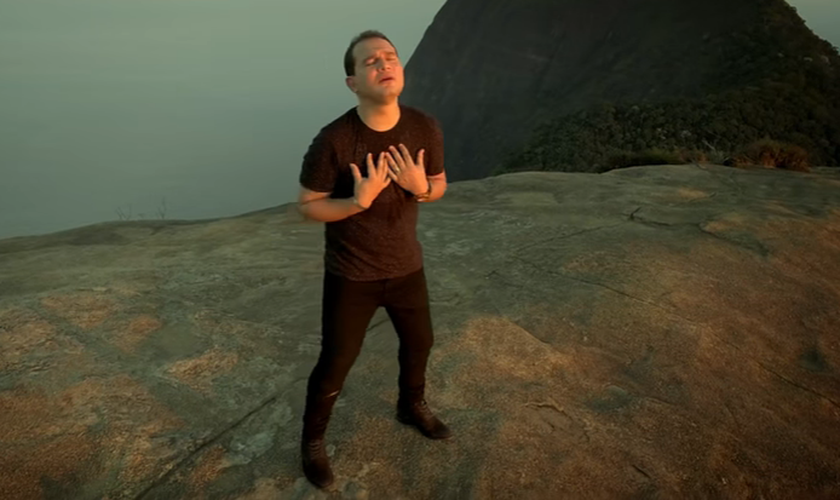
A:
[379,73]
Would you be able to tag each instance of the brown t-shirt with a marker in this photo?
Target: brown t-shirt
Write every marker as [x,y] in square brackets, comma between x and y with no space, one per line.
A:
[380,242]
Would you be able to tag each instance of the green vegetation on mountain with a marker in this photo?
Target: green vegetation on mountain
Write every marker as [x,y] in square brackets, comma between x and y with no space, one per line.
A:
[775,101]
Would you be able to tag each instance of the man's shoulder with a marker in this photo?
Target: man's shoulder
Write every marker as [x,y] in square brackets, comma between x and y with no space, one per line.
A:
[338,133]
[338,126]
[426,122]
[420,114]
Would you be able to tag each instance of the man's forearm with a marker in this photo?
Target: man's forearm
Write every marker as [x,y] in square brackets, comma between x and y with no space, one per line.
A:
[438,189]
[329,209]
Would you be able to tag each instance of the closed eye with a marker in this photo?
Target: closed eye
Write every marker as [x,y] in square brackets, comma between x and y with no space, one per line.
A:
[371,61]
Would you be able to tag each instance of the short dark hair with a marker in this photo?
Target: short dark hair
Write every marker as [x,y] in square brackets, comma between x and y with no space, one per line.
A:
[349,60]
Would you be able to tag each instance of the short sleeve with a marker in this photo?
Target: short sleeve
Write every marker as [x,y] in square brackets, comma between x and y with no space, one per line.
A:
[320,165]
[434,153]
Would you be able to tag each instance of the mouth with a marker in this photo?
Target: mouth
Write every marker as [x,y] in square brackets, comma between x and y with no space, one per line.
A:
[387,79]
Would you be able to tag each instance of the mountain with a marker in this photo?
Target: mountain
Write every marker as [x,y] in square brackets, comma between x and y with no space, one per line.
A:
[507,77]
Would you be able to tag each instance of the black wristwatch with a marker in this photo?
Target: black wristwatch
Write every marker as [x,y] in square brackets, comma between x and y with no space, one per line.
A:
[426,195]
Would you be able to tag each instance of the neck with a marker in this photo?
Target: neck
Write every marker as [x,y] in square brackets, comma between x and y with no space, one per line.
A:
[379,116]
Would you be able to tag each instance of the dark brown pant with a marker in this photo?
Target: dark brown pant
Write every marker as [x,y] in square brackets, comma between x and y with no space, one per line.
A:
[346,311]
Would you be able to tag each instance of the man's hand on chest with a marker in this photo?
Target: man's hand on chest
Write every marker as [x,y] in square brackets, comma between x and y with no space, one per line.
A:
[408,173]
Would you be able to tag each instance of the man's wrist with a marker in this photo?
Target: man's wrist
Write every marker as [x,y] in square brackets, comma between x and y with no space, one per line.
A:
[358,204]
[425,194]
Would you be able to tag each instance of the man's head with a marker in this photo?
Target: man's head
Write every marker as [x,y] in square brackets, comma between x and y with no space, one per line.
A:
[373,68]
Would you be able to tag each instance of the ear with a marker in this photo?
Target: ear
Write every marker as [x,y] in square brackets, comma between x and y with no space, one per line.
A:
[351,84]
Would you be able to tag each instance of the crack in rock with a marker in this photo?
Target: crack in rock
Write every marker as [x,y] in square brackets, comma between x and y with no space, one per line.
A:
[663,308]
[714,193]
[659,400]
[564,236]
[798,385]
[552,404]
[761,250]
[193,453]
[758,248]
[502,280]
[649,222]
[593,283]
[731,414]
[642,471]
[380,322]
[736,184]
[529,332]
[730,178]
[773,372]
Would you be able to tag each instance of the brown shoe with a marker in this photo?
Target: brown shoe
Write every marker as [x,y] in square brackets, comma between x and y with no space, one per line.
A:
[420,416]
[316,463]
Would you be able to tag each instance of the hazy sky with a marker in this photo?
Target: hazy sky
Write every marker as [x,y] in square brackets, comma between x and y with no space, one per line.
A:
[108,105]
[822,16]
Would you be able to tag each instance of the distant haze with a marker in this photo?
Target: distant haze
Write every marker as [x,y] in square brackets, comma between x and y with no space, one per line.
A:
[209,104]
[822,16]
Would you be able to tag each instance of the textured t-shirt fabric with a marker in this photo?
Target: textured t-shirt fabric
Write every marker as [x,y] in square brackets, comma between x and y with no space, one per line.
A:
[380,242]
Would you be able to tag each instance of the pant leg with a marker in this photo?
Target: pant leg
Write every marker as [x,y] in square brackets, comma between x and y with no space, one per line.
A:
[346,310]
[407,303]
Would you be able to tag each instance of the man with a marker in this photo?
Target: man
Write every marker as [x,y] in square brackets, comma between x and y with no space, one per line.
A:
[364,175]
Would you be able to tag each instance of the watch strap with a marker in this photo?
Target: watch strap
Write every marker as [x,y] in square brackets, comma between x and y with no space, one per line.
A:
[425,195]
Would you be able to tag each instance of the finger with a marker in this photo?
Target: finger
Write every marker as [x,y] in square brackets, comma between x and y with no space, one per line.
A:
[421,156]
[397,156]
[386,169]
[370,162]
[392,175]
[406,153]
[383,165]
[392,164]
[393,171]
[356,174]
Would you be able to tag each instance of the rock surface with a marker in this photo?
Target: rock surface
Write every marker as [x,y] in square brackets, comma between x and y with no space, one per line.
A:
[492,70]
[654,332]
